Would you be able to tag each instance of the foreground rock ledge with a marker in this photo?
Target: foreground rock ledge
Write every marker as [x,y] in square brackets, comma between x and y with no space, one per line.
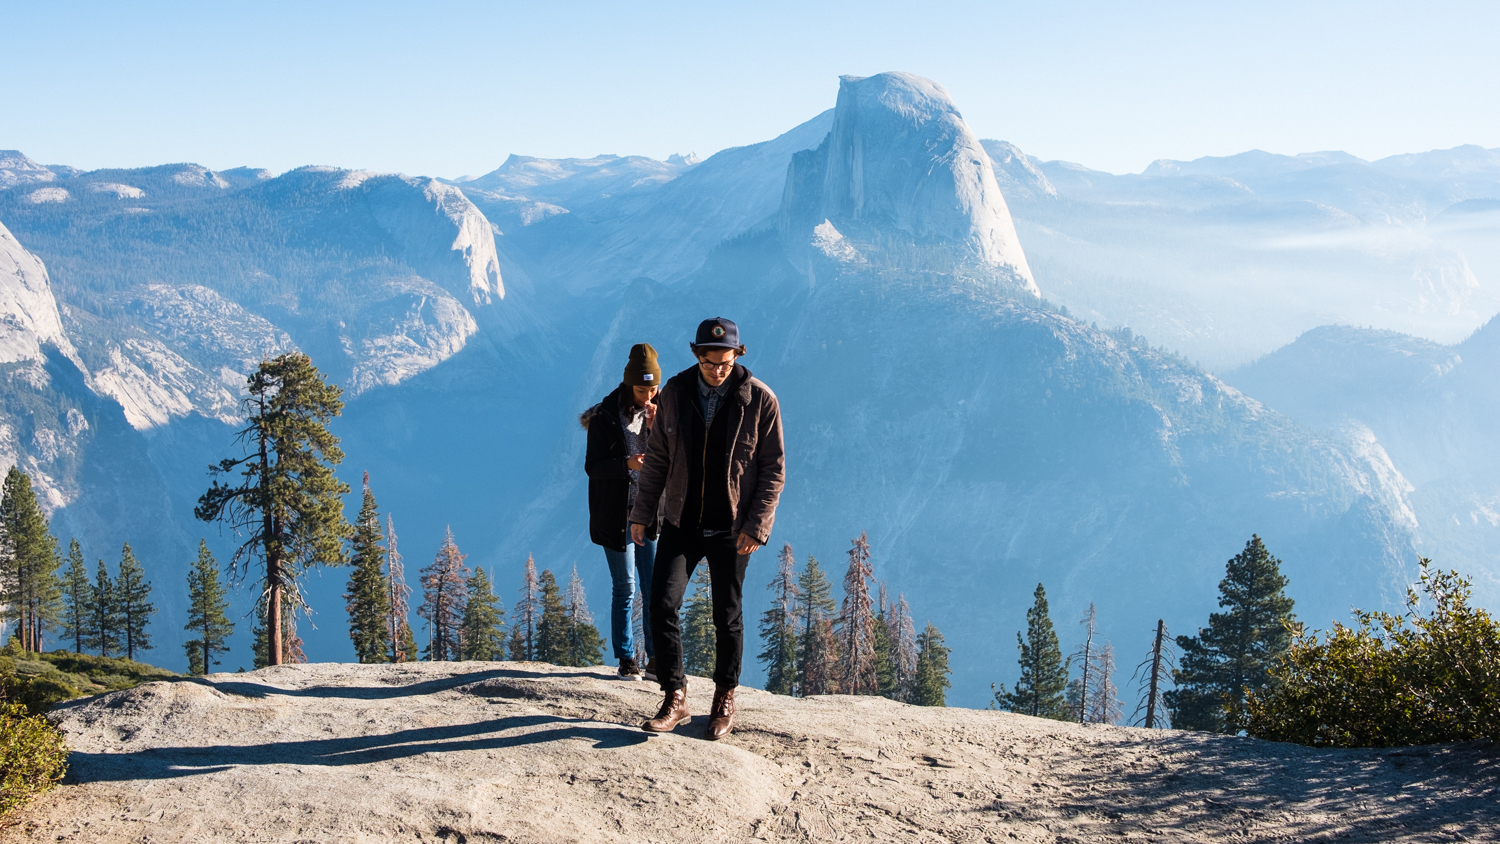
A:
[477,752]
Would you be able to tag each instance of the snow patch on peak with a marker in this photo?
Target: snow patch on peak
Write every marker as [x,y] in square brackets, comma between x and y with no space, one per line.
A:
[121,191]
[684,160]
[37,197]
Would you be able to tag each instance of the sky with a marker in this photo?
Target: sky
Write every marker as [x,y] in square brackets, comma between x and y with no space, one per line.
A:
[451,88]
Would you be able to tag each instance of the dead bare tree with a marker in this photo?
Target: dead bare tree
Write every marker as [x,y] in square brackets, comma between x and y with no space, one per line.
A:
[1158,665]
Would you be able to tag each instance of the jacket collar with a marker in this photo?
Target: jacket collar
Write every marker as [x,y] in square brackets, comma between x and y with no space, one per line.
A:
[739,382]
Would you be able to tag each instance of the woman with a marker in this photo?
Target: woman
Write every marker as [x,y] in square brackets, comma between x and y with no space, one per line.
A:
[617,430]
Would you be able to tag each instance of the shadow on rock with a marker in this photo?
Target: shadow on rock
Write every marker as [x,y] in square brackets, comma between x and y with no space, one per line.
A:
[169,762]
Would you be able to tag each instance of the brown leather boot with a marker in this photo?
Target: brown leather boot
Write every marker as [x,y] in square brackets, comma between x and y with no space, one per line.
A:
[721,717]
[673,711]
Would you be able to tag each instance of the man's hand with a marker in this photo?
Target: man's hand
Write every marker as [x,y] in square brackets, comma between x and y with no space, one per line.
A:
[746,545]
[638,534]
[635,461]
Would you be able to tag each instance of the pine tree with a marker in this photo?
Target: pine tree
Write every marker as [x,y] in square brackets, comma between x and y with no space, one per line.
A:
[444,590]
[1079,696]
[552,626]
[1102,706]
[398,630]
[778,627]
[856,630]
[699,638]
[930,688]
[28,563]
[288,501]
[135,610]
[822,667]
[207,603]
[585,644]
[291,643]
[368,596]
[77,596]
[819,653]
[105,622]
[1237,650]
[481,631]
[523,639]
[885,647]
[903,651]
[1044,674]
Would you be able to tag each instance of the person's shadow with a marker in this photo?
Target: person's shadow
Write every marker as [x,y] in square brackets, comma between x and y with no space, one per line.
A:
[169,762]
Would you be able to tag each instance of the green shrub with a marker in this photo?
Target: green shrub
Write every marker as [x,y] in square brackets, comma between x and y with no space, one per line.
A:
[1391,681]
[33,756]
[37,694]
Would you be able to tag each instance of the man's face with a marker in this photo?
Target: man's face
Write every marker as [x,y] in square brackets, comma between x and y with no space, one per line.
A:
[643,395]
[715,365]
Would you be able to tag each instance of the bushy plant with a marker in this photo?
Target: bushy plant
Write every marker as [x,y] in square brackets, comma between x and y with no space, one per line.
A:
[1393,680]
[38,693]
[33,757]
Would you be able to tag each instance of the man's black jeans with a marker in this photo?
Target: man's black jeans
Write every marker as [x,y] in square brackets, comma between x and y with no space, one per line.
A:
[677,556]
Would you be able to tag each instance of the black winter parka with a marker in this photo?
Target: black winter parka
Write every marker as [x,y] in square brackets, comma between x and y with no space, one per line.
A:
[609,479]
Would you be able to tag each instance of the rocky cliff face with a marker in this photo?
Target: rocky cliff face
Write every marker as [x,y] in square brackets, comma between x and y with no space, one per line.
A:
[901,176]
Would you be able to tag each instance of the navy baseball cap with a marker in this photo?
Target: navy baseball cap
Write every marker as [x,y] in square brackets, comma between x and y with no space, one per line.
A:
[717,333]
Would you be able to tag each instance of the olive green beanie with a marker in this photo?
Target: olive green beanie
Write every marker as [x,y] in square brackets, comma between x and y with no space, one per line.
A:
[642,370]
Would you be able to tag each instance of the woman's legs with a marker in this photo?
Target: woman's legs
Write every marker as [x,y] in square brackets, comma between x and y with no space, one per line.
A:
[622,575]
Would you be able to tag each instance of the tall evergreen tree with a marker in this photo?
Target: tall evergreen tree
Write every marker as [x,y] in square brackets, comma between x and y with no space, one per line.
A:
[778,627]
[368,596]
[105,622]
[398,594]
[931,685]
[885,668]
[291,643]
[77,596]
[287,499]
[207,604]
[1237,650]
[1044,674]
[136,609]
[585,644]
[28,563]
[699,639]
[444,590]
[481,631]
[552,625]
[818,655]
[856,625]
[523,639]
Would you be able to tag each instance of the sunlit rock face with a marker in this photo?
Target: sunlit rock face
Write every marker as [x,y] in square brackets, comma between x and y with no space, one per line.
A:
[902,178]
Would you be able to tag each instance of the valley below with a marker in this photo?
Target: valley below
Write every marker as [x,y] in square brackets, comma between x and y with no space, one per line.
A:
[489,752]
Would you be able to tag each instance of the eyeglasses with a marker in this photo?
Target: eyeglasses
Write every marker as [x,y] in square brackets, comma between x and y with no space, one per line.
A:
[708,364]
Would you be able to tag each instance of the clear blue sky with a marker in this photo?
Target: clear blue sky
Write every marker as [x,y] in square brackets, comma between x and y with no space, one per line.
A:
[447,89]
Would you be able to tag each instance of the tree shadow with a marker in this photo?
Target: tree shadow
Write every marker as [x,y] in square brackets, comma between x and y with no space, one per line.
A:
[171,762]
[250,689]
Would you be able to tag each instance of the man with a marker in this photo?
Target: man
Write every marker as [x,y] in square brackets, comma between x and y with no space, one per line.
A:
[714,471]
[618,427]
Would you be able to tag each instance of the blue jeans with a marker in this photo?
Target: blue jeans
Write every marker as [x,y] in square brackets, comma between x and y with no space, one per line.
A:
[623,566]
